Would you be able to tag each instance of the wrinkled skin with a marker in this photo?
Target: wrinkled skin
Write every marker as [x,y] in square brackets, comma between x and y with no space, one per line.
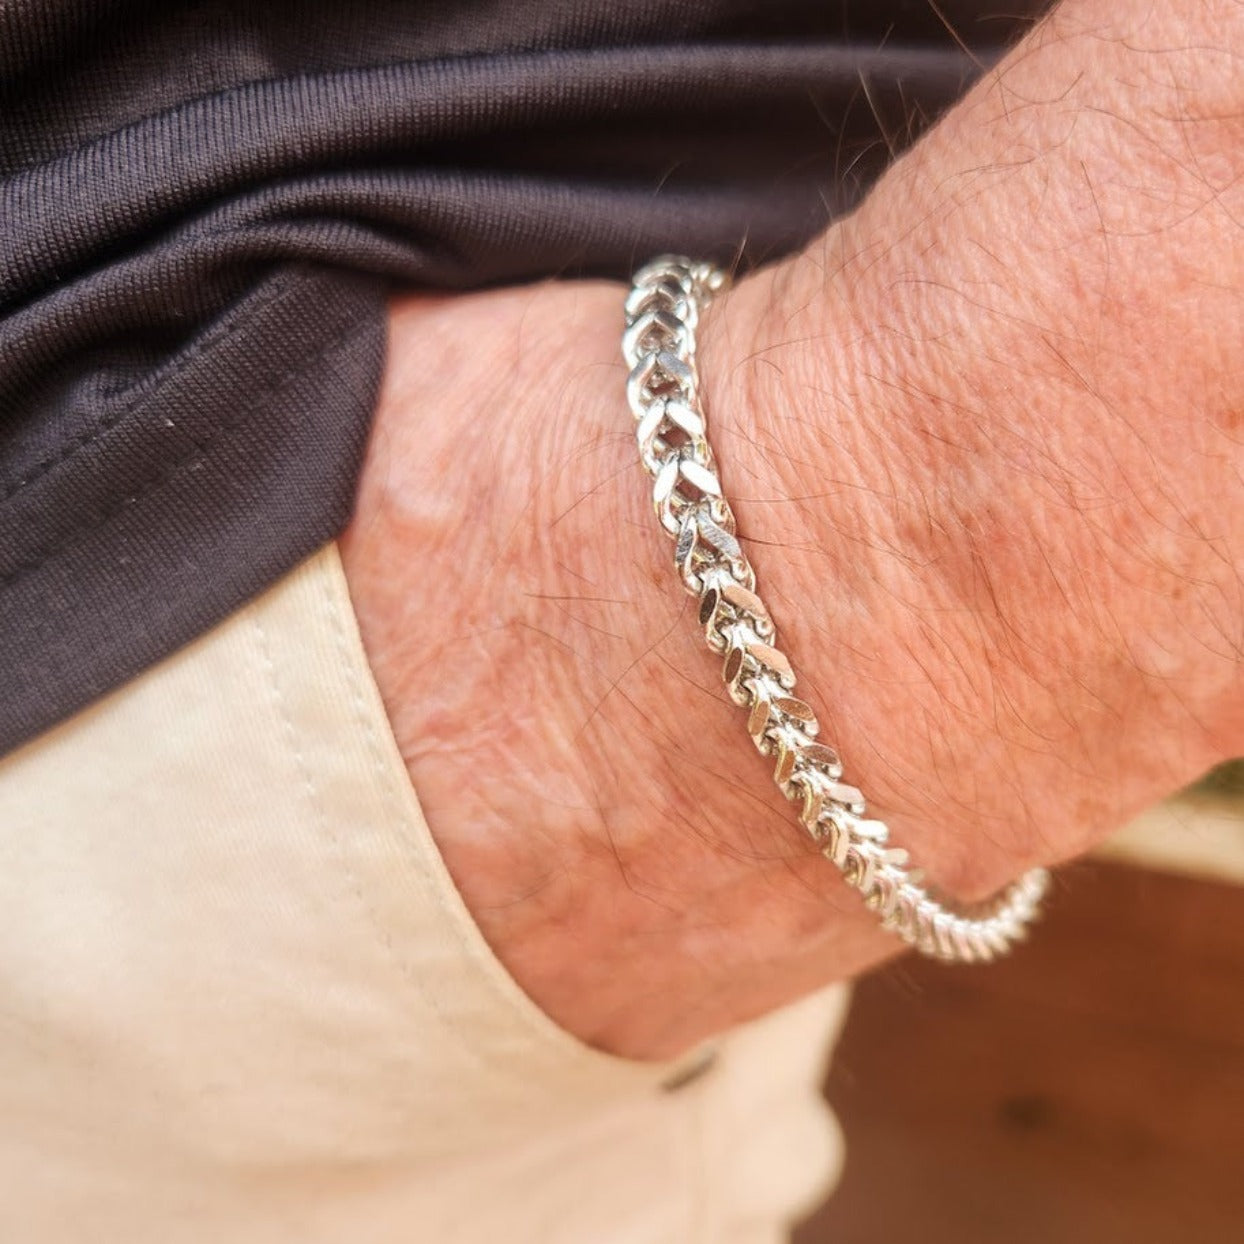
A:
[984,440]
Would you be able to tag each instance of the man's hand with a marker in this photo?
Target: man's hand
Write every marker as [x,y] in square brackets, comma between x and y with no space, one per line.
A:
[984,442]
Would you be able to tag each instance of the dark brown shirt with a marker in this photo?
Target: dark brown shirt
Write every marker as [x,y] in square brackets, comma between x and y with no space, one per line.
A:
[203,205]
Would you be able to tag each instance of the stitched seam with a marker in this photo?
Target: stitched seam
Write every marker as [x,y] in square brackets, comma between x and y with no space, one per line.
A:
[383,776]
[169,470]
[214,337]
[301,767]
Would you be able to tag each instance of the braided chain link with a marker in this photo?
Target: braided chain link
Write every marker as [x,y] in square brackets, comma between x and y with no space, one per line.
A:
[662,312]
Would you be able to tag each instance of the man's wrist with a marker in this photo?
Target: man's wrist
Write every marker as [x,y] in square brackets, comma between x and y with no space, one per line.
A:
[595,798]
[837,514]
[984,355]
[997,557]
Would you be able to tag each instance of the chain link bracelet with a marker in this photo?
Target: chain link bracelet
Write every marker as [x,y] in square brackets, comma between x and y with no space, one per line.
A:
[662,312]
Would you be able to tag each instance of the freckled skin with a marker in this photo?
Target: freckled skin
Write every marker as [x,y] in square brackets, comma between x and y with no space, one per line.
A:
[983,441]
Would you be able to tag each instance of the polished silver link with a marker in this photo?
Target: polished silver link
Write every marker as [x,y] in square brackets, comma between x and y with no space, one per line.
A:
[663,312]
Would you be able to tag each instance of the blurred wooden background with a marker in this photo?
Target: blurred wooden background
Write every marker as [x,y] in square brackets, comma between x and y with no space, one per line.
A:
[1089,1090]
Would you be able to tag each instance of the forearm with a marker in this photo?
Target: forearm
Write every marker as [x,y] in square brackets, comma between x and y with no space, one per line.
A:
[1015,372]
[973,477]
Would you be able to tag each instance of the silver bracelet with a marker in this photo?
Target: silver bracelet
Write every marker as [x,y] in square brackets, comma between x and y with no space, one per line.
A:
[662,312]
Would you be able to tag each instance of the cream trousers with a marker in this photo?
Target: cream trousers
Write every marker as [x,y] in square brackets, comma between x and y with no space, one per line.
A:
[241,1001]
